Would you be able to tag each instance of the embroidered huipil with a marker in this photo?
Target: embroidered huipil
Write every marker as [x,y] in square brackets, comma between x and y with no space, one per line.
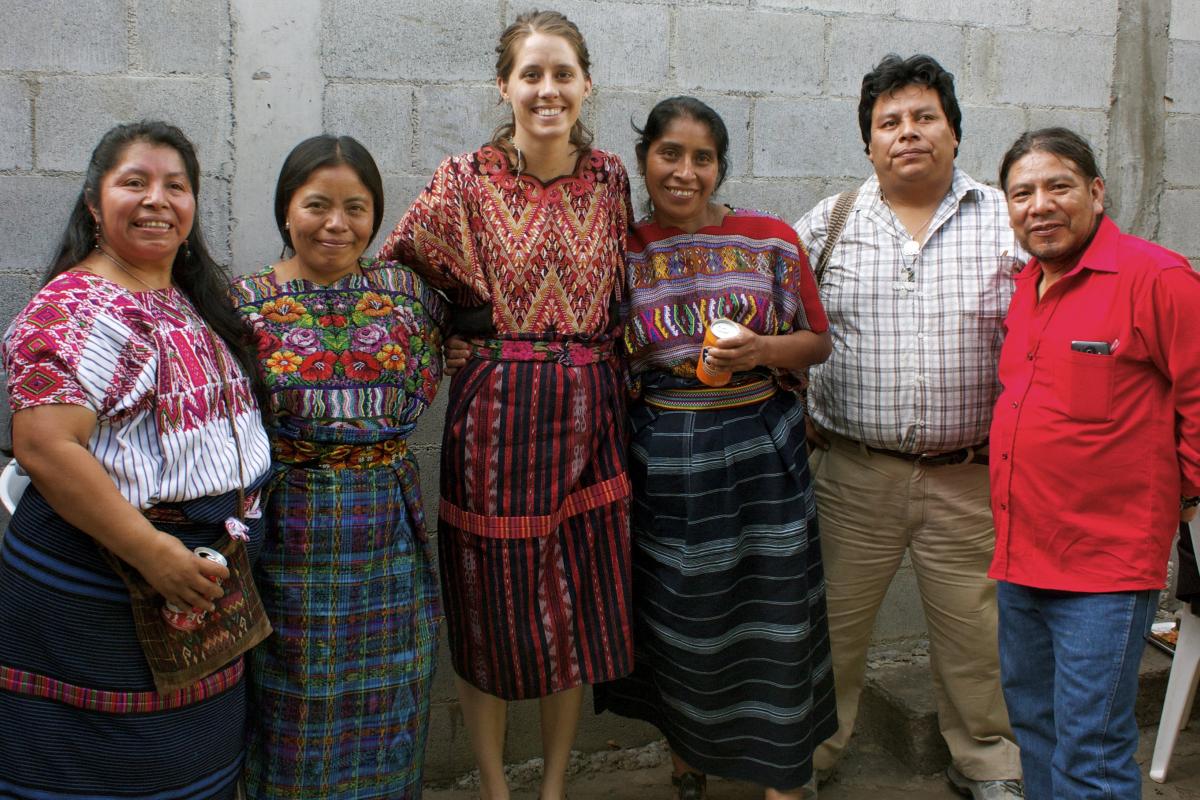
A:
[143,362]
[1091,452]
[915,339]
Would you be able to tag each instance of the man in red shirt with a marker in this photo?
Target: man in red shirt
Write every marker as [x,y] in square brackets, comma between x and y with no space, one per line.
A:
[1095,458]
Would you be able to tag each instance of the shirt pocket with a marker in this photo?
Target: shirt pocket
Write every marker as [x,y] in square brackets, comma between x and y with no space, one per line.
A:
[1086,383]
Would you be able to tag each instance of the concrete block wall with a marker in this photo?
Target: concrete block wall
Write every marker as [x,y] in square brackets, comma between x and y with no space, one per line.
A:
[247,79]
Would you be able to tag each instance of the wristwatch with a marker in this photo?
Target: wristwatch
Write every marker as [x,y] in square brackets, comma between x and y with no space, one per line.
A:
[1189,502]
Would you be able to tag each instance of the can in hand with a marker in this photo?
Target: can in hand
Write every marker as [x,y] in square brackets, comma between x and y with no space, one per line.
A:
[189,619]
[718,329]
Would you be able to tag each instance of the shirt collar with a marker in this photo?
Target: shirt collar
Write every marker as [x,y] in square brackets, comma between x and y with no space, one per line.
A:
[961,185]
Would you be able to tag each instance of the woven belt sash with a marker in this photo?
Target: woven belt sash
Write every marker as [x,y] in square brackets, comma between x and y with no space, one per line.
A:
[708,398]
[565,352]
[340,455]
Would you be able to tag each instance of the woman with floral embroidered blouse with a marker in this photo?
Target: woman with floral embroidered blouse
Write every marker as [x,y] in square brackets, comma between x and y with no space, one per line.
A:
[350,351]
[527,236]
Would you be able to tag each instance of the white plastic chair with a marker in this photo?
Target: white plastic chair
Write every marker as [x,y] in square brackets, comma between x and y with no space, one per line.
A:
[1181,687]
[13,481]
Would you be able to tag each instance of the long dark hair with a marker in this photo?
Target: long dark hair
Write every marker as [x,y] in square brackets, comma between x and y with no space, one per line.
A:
[195,272]
[551,23]
[311,155]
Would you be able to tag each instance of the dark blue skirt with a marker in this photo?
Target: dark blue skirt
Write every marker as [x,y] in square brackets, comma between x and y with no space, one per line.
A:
[731,646]
[79,715]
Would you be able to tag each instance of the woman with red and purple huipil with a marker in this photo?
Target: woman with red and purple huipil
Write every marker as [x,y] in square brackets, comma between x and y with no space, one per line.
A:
[731,648]
[527,237]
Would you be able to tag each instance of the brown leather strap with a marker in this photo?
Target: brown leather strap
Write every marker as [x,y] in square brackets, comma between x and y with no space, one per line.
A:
[837,223]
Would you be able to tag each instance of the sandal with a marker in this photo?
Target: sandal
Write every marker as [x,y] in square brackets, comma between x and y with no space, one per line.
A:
[690,786]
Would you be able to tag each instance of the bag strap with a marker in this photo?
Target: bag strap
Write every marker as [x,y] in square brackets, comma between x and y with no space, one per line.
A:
[837,223]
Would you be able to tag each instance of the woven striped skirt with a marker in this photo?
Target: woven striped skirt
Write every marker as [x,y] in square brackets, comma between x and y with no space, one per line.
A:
[79,716]
[732,657]
[533,534]
[339,695]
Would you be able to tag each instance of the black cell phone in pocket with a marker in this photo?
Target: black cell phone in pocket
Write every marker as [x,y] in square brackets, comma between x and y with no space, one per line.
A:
[1095,348]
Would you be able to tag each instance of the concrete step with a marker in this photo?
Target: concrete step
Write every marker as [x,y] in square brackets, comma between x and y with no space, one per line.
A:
[898,713]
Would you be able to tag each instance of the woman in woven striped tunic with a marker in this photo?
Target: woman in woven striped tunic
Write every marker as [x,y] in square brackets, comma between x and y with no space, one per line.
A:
[350,351]
[731,651]
[527,235]
[117,376]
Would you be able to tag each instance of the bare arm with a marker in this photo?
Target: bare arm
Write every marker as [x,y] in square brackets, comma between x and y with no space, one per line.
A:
[791,351]
[51,444]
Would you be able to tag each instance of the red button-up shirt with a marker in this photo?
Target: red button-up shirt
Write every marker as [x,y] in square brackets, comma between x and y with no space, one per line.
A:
[1090,453]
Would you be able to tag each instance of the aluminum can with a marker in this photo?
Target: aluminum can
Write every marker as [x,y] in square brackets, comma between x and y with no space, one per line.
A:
[212,555]
[189,619]
[718,329]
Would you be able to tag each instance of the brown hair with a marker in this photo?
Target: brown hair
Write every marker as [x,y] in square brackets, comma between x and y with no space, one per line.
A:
[550,23]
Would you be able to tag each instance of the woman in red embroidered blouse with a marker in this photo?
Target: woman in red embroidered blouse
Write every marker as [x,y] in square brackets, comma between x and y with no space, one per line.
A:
[527,237]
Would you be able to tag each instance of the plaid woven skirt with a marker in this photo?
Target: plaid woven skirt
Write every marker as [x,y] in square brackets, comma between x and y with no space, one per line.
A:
[533,534]
[732,659]
[339,695]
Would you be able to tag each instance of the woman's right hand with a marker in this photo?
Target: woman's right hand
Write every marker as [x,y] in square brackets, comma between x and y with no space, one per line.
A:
[179,575]
[455,352]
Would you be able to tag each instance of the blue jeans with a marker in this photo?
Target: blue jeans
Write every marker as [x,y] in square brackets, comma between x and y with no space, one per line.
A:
[1069,668]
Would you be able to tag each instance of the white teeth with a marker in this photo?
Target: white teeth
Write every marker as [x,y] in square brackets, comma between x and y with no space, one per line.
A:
[682,193]
[549,112]
[162,225]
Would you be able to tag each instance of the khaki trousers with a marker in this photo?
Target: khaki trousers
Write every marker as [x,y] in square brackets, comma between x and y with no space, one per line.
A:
[872,508]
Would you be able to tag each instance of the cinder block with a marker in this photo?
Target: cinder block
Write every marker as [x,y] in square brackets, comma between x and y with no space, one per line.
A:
[1185,21]
[182,36]
[749,51]
[619,111]
[1182,87]
[1183,144]
[1178,213]
[36,208]
[455,119]
[64,35]
[407,40]
[73,113]
[378,115]
[984,13]
[987,134]
[1091,125]
[448,749]
[1053,69]
[787,198]
[15,290]
[901,617]
[807,139]
[632,53]
[16,128]
[880,7]
[857,44]
[214,217]
[399,192]
[1076,16]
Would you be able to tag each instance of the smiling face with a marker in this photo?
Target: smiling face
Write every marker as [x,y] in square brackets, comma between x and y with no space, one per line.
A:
[682,171]
[547,87]
[330,219]
[912,141]
[1053,207]
[145,207]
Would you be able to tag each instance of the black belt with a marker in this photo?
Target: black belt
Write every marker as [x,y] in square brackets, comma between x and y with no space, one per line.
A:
[964,455]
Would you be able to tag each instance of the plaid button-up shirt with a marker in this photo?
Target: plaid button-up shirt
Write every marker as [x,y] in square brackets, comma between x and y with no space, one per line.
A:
[916,340]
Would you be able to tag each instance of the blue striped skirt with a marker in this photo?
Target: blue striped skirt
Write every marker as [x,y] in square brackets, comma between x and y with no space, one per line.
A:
[731,646]
[79,716]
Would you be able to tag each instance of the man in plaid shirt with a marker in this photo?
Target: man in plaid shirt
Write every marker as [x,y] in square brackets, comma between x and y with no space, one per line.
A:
[916,289]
